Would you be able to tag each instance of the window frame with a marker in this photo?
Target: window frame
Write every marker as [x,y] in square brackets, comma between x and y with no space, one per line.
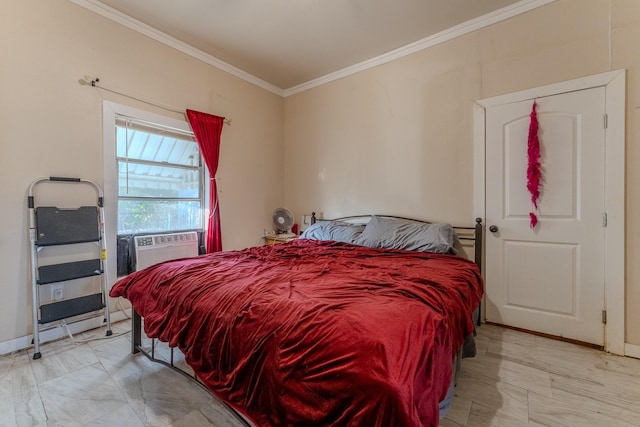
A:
[110,112]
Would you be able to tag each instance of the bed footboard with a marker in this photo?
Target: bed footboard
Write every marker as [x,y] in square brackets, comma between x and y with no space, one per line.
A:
[136,347]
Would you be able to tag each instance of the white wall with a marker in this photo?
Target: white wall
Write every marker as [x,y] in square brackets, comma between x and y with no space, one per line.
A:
[398,138]
[52,126]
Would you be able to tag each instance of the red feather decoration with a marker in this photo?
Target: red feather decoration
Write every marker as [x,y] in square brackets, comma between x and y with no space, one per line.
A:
[534,173]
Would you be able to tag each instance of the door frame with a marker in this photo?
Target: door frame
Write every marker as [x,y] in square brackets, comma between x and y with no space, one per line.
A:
[614,258]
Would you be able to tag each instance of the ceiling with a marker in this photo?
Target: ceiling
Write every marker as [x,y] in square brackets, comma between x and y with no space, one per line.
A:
[288,43]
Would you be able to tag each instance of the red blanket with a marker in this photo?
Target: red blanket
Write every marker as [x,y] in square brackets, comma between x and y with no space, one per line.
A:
[312,332]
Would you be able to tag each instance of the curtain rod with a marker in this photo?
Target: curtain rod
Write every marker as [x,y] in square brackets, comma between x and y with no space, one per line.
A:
[93,82]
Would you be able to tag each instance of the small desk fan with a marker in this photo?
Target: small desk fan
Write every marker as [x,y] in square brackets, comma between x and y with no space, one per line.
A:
[282,221]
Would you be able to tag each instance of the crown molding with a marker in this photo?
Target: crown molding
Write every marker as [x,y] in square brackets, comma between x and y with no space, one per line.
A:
[142,28]
[438,38]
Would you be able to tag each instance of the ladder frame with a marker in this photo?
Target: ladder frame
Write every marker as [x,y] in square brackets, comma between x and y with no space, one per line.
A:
[34,255]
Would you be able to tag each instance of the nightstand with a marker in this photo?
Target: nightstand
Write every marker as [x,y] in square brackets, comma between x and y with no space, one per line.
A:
[272,239]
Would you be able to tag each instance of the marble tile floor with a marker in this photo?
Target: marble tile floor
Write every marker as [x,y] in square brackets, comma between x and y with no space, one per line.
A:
[517,379]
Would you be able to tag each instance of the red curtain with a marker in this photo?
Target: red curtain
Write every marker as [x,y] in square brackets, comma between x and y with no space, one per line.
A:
[207,130]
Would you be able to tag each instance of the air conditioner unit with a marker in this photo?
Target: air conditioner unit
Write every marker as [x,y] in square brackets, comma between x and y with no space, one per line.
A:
[156,248]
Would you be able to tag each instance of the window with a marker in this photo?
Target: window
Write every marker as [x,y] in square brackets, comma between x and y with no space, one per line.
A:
[151,185]
[160,178]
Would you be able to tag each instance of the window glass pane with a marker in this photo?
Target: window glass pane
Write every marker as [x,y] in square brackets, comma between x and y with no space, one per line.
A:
[156,165]
[142,216]
[149,180]
[138,145]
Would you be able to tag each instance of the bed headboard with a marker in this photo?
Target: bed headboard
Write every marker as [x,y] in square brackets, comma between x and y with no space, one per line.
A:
[470,236]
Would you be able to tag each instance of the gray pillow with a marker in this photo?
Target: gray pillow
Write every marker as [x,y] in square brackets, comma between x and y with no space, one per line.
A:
[393,233]
[333,230]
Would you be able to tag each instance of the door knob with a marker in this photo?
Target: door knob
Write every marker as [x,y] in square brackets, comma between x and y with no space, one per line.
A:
[493,229]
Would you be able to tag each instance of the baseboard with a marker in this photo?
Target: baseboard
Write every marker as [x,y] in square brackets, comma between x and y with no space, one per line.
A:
[632,350]
[22,343]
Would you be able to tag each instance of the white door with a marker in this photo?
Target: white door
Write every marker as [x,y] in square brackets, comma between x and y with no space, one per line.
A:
[550,278]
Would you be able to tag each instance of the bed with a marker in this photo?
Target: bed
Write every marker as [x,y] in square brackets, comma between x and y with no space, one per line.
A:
[358,324]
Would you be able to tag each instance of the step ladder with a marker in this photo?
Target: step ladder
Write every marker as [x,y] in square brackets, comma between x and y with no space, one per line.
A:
[51,229]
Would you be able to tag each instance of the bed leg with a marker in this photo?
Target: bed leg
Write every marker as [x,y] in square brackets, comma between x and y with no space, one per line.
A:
[136,332]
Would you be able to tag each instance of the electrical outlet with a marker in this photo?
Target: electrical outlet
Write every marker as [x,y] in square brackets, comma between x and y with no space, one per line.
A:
[57,292]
